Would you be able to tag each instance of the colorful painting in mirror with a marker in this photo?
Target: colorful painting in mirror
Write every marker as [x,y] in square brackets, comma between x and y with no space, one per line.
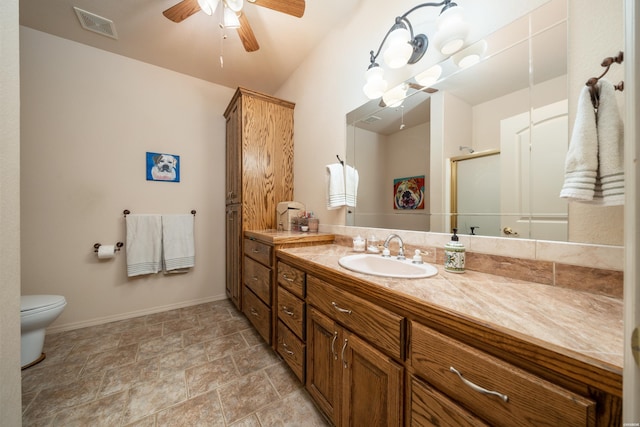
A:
[408,193]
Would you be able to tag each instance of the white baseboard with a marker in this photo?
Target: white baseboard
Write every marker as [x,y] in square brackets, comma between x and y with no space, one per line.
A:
[132,314]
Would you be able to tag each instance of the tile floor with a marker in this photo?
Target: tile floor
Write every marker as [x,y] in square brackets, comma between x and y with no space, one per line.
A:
[196,366]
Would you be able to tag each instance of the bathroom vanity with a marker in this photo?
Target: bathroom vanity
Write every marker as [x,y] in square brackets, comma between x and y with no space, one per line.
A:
[453,349]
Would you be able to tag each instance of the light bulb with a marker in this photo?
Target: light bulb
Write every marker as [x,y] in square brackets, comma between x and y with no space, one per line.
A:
[231,19]
[375,84]
[398,49]
[208,6]
[429,76]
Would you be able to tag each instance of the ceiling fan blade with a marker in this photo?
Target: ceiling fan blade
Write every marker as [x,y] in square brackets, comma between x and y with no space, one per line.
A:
[245,32]
[422,88]
[182,10]
[290,7]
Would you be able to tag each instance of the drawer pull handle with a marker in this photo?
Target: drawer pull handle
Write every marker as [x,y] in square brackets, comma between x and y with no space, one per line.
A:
[255,278]
[254,312]
[333,345]
[286,349]
[344,348]
[284,276]
[256,251]
[340,309]
[286,311]
[477,387]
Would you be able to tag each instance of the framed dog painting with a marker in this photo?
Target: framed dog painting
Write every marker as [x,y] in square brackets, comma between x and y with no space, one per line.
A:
[408,193]
[163,167]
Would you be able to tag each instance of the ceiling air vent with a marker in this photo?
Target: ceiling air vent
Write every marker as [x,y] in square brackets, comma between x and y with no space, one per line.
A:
[371,119]
[95,23]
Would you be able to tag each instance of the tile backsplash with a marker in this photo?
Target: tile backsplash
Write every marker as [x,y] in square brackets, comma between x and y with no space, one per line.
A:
[590,268]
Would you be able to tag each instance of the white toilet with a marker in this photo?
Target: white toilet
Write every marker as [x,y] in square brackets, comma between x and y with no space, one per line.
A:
[36,313]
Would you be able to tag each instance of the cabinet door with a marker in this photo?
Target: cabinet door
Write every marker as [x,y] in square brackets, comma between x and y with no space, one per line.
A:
[372,385]
[233,239]
[323,364]
[233,156]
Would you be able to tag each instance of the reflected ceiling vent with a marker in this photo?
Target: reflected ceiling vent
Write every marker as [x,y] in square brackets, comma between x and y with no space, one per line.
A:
[95,23]
[371,119]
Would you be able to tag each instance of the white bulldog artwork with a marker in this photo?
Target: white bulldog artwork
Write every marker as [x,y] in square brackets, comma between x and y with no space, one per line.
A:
[163,167]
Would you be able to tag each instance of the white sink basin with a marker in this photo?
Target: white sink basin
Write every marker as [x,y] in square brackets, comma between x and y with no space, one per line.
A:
[377,265]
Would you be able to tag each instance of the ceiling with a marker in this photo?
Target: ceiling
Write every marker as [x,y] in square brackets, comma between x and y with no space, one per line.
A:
[195,45]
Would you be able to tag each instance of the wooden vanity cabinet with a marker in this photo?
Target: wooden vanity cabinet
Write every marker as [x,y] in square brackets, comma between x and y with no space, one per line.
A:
[351,380]
[491,389]
[259,173]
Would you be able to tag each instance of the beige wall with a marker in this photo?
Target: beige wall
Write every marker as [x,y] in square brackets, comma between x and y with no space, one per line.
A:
[9,216]
[88,118]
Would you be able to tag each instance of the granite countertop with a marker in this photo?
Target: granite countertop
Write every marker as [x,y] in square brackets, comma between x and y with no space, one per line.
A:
[585,324]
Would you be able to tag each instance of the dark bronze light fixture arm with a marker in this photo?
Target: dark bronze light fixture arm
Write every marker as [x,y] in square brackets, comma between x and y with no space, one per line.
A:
[419,42]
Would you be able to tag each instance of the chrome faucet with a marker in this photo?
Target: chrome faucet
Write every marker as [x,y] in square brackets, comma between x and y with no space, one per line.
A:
[400,243]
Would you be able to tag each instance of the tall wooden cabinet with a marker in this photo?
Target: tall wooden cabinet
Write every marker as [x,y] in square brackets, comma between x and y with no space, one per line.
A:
[259,172]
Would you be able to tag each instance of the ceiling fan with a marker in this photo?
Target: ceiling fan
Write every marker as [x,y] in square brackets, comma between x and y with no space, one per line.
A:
[186,8]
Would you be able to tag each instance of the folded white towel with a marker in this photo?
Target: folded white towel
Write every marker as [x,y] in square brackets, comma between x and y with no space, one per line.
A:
[178,242]
[610,180]
[144,244]
[581,164]
[336,195]
[351,186]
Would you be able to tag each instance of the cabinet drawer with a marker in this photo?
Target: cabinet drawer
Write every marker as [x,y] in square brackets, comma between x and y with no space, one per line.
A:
[379,326]
[523,399]
[258,251]
[292,279]
[257,277]
[291,311]
[430,408]
[258,314]
[292,350]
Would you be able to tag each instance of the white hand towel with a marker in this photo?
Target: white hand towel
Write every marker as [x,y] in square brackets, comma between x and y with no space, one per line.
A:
[581,164]
[336,196]
[610,181]
[144,244]
[178,242]
[351,186]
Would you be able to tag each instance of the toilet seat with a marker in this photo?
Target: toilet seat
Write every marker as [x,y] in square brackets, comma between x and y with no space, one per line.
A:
[32,304]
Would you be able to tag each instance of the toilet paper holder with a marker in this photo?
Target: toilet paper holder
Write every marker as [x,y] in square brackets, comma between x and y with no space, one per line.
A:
[97,246]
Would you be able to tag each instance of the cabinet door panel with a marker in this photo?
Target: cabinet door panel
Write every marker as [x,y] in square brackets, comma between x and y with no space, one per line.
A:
[372,386]
[323,381]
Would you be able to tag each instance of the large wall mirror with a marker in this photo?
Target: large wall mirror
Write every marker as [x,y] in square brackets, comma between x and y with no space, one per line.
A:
[489,140]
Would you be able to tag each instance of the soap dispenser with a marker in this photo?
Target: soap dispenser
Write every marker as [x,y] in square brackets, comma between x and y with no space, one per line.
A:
[454,254]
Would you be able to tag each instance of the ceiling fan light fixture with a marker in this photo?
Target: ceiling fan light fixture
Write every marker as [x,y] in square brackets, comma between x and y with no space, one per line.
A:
[230,19]
[234,5]
[208,6]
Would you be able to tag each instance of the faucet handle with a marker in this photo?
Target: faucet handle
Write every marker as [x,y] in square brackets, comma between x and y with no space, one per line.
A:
[386,253]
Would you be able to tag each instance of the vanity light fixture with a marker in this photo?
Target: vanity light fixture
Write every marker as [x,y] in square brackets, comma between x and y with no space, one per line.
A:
[470,55]
[403,47]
